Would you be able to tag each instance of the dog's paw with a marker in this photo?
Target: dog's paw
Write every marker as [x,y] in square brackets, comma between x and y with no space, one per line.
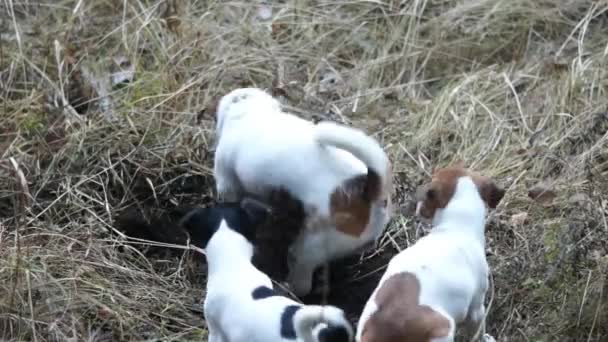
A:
[487,338]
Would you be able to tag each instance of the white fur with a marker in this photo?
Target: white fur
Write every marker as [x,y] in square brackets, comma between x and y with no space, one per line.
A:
[449,262]
[260,147]
[233,315]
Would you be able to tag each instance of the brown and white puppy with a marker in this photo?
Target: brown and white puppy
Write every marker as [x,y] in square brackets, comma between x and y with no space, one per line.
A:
[341,176]
[441,280]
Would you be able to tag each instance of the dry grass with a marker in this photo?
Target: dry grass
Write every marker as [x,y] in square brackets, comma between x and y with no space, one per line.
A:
[517,89]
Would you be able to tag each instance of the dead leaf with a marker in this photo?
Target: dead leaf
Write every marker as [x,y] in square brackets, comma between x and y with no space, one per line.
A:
[104,313]
[542,193]
[578,198]
[518,219]
[279,31]
[556,66]
[170,14]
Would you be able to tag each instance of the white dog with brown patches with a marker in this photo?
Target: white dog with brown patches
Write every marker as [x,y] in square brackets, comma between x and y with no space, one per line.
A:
[340,175]
[440,281]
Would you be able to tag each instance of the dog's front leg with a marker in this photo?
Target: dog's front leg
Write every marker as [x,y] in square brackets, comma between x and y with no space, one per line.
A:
[306,254]
[213,332]
[476,322]
[214,336]
[227,184]
[300,278]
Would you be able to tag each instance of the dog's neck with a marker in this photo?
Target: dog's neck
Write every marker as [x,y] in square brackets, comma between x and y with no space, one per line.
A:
[227,250]
[465,212]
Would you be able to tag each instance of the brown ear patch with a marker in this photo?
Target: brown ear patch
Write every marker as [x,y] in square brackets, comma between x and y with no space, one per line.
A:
[400,317]
[437,194]
[489,191]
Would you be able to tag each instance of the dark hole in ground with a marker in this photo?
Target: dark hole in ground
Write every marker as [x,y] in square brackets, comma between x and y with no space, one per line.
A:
[351,279]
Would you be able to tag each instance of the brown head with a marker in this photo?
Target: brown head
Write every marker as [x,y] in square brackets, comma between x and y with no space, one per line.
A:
[439,191]
[400,317]
[360,201]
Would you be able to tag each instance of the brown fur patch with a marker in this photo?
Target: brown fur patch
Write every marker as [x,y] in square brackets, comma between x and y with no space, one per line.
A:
[438,193]
[400,317]
[350,204]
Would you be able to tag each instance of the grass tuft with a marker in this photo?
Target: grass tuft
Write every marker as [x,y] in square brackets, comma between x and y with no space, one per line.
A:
[516,89]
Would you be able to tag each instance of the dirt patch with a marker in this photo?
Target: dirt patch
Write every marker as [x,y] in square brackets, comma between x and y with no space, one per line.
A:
[351,281]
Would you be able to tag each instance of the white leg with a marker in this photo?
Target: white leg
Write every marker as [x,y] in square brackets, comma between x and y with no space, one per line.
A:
[476,323]
[300,278]
[476,317]
[214,337]
[214,334]
[226,182]
[305,256]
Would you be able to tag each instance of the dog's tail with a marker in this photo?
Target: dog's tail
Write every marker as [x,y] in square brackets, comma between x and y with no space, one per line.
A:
[322,324]
[359,144]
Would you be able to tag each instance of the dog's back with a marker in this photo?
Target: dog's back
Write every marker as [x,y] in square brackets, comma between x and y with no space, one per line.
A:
[449,265]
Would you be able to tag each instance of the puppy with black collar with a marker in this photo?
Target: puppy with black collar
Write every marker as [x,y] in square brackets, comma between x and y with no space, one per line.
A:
[240,303]
[340,175]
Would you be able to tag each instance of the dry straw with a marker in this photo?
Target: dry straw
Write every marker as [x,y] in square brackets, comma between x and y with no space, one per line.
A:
[516,89]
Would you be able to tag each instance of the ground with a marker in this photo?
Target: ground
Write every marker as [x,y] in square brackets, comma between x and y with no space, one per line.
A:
[107,105]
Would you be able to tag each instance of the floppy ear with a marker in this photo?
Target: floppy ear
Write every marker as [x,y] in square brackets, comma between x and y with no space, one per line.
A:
[192,220]
[428,196]
[256,211]
[426,192]
[199,225]
[491,193]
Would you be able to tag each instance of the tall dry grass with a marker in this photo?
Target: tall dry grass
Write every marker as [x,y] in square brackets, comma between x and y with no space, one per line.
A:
[515,88]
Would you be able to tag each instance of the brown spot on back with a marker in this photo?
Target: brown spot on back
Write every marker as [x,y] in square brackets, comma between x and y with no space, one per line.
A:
[438,193]
[350,203]
[400,317]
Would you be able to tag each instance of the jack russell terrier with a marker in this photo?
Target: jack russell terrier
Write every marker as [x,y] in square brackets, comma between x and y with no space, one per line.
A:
[441,280]
[341,176]
[240,303]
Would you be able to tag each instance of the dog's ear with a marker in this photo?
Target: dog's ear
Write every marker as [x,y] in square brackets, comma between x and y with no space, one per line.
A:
[428,192]
[257,212]
[491,193]
[200,226]
[192,219]
[428,198]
